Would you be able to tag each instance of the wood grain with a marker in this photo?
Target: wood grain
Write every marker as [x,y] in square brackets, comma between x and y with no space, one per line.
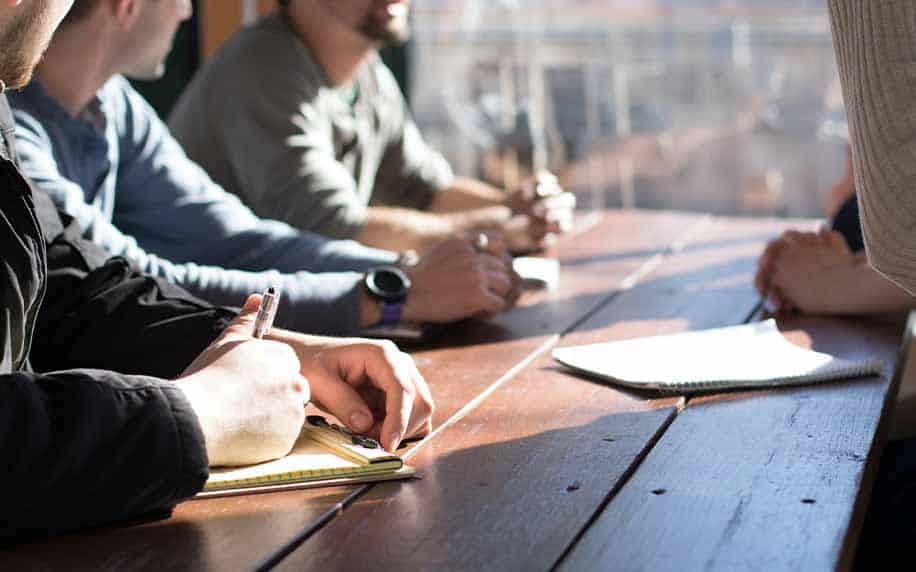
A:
[512,484]
[213,534]
[755,480]
[504,488]
[242,532]
[471,356]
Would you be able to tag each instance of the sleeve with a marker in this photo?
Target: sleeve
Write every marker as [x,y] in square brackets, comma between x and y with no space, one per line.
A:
[875,44]
[292,173]
[173,208]
[89,447]
[325,302]
[411,172]
[38,163]
[98,312]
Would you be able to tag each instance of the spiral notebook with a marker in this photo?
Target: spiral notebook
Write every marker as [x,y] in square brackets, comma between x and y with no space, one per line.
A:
[325,454]
[747,356]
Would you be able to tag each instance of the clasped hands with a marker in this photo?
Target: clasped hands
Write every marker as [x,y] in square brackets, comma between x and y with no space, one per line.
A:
[802,271]
[541,209]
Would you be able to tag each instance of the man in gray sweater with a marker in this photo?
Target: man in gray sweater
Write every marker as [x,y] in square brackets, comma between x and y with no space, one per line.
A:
[337,152]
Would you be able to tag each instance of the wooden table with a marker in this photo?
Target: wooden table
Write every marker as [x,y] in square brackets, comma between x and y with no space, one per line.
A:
[533,468]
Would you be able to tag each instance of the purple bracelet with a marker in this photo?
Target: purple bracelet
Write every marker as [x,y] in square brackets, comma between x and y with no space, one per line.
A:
[391,313]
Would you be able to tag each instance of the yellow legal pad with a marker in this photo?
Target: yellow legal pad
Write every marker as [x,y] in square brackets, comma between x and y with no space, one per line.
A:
[324,455]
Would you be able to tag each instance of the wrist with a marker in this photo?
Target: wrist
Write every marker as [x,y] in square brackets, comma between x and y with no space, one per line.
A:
[370,311]
[193,388]
[431,229]
[487,218]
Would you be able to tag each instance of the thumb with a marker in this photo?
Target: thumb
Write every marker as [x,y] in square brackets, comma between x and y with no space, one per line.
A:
[838,242]
[244,322]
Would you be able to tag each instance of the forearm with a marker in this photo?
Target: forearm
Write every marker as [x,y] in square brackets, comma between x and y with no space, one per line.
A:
[84,443]
[864,291]
[400,228]
[110,317]
[876,54]
[396,228]
[328,303]
[467,194]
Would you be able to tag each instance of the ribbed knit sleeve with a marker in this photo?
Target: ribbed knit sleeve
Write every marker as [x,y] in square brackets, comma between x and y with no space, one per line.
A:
[875,44]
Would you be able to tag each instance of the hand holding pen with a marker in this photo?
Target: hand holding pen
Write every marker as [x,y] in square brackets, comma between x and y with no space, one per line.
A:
[248,394]
[267,311]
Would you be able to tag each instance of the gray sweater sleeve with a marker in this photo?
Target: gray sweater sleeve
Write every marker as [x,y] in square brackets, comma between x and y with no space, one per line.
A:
[875,43]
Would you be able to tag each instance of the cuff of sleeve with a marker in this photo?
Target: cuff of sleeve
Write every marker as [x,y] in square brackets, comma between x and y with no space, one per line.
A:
[321,304]
[192,446]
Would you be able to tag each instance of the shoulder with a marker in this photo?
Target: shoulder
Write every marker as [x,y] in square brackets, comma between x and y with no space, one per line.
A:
[260,56]
[120,98]
[378,82]
[123,104]
[31,108]
[30,115]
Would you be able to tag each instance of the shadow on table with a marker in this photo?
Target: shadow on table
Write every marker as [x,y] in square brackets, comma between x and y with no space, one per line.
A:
[222,534]
[686,295]
[515,504]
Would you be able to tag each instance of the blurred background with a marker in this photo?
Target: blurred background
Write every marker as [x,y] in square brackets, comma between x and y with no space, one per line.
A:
[728,107]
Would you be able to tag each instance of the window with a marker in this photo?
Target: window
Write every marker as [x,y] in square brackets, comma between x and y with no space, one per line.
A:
[731,107]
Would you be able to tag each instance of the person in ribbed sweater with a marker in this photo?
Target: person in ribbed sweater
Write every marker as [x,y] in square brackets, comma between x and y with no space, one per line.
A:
[875,44]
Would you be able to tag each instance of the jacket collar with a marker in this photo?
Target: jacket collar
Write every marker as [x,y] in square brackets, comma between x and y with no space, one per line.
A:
[7,127]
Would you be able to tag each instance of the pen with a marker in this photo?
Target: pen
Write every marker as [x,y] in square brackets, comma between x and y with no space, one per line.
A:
[266,313]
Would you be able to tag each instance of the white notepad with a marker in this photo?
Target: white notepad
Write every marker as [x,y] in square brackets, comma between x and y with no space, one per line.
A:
[537,272]
[751,355]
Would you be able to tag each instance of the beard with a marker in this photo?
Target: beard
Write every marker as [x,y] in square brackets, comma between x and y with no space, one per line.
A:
[390,32]
[22,42]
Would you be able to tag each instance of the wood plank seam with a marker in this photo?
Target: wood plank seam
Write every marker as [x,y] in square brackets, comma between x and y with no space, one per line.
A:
[631,470]
[628,282]
[274,559]
[677,246]
[474,403]
[847,551]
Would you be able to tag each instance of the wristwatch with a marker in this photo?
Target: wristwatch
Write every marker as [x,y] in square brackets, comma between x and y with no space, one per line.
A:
[389,285]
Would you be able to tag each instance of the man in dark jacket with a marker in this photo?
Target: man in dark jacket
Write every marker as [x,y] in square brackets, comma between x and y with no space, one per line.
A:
[92,430]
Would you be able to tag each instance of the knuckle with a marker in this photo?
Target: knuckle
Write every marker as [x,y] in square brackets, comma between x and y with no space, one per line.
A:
[410,389]
[388,351]
[302,389]
[389,346]
[425,405]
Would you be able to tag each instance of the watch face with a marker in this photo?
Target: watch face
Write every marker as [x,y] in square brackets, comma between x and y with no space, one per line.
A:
[388,283]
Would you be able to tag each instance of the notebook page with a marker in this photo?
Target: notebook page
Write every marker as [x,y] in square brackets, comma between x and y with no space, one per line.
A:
[749,355]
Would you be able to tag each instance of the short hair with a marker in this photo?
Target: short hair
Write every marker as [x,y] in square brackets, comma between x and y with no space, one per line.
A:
[283,3]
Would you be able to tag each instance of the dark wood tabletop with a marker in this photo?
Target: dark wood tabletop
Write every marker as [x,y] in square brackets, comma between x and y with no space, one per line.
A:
[531,467]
